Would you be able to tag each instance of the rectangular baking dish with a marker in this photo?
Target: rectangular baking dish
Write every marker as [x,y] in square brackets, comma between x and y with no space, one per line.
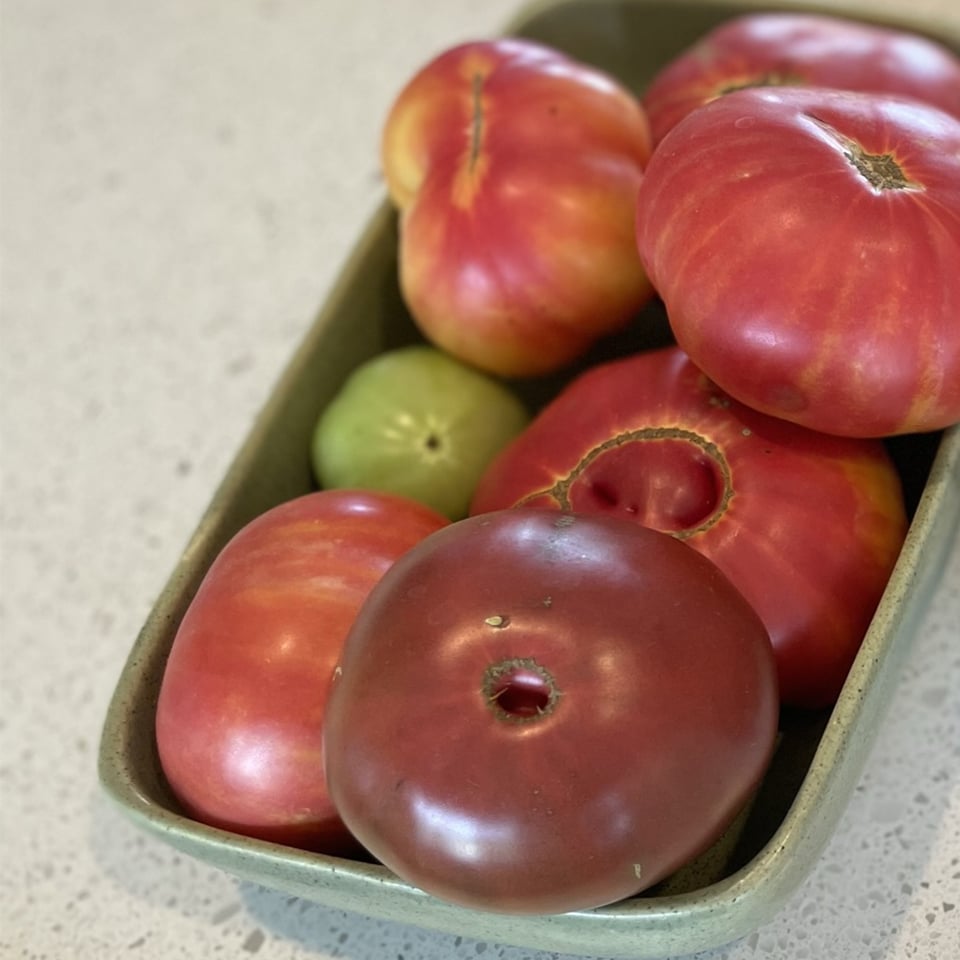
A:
[744,879]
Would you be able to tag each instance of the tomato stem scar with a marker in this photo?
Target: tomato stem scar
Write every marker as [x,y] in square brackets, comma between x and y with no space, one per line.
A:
[880,170]
[519,690]
[772,78]
[560,491]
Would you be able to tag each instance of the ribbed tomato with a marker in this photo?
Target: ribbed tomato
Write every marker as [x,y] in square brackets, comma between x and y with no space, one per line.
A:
[806,245]
[807,526]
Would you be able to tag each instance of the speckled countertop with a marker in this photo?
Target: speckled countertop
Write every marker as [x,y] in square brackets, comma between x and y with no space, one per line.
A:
[181,182]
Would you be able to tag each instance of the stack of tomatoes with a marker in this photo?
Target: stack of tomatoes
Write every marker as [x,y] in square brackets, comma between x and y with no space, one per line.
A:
[536,665]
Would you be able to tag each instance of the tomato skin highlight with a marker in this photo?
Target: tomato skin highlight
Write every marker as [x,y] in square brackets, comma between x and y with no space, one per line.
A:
[240,709]
[806,243]
[808,526]
[539,712]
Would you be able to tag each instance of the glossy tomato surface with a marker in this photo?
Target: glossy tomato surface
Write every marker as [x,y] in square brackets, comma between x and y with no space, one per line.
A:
[241,703]
[515,170]
[806,246]
[802,49]
[539,712]
[807,526]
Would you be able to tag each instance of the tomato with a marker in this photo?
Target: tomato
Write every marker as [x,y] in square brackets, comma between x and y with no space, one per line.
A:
[806,245]
[416,422]
[807,526]
[515,171]
[802,49]
[539,712]
[240,708]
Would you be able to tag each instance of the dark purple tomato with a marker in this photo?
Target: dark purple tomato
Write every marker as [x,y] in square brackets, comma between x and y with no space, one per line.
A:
[538,712]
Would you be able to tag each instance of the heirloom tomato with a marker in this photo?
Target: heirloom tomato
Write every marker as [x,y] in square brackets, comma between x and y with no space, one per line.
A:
[807,526]
[539,712]
[806,245]
[802,49]
[515,171]
[241,703]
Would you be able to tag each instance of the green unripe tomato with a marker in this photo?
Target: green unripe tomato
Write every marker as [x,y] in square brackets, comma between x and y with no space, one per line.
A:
[416,422]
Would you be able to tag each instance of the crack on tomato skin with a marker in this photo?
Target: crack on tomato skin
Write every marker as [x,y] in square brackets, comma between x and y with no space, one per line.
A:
[560,490]
[476,125]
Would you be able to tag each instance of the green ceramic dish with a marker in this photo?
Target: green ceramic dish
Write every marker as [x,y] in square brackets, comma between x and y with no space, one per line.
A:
[745,878]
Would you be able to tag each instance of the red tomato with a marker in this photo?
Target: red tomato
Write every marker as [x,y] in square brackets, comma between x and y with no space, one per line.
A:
[807,526]
[239,714]
[515,170]
[802,49]
[806,244]
[537,712]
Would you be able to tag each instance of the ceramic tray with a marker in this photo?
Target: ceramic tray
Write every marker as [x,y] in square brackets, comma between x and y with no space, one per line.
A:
[745,878]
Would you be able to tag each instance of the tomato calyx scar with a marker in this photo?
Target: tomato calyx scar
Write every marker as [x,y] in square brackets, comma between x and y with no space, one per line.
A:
[519,690]
[772,78]
[880,170]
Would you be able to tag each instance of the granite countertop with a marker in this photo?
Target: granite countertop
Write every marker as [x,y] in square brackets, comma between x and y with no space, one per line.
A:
[181,183]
